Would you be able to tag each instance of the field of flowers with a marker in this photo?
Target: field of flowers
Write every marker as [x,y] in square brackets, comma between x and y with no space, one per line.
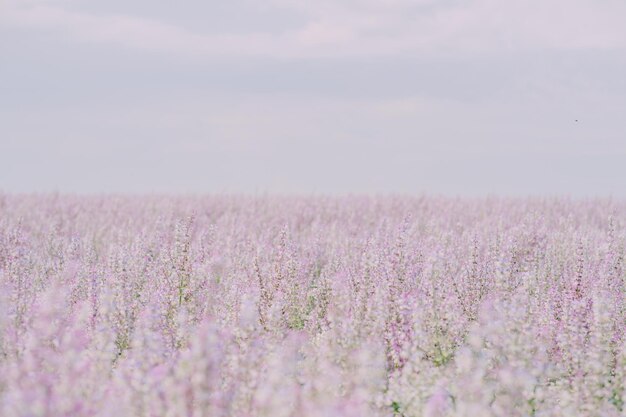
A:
[311,306]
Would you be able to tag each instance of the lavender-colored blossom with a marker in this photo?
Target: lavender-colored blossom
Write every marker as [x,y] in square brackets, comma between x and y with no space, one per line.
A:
[311,306]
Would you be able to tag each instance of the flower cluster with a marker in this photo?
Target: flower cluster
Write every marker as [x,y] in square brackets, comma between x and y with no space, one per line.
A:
[311,306]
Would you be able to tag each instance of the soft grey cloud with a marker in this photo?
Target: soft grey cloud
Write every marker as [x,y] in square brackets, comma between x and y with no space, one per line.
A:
[453,96]
[361,28]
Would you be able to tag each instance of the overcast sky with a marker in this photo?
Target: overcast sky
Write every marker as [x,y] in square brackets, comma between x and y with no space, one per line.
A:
[460,97]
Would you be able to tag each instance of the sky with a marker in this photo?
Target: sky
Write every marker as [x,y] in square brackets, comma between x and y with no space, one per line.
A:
[453,97]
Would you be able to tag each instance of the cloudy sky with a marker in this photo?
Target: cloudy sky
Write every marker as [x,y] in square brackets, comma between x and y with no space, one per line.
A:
[459,97]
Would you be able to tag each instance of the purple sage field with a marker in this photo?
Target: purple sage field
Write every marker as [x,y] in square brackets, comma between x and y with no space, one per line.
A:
[311,306]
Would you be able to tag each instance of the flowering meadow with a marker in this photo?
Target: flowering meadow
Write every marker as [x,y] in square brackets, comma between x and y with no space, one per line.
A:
[311,306]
